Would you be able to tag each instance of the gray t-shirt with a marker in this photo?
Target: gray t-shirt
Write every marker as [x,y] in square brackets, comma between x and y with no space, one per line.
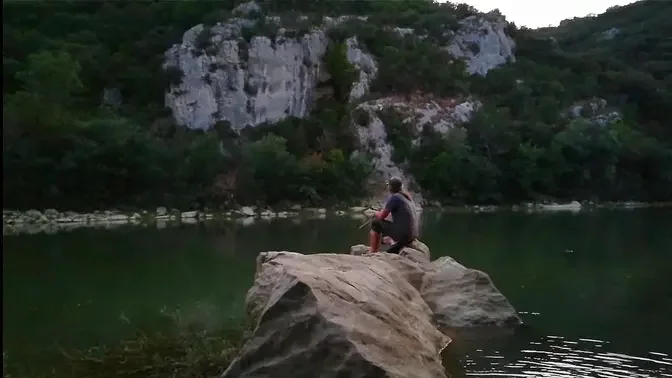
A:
[404,215]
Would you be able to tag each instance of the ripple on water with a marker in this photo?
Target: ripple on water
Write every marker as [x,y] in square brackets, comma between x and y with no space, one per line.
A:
[555,357]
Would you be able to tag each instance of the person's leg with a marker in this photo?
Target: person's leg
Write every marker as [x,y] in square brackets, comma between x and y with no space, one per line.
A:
[400,237]
[399,244]
[393,232]
[378,229]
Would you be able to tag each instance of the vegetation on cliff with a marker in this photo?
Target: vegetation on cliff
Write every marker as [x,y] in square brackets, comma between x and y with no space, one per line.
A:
[84,123]
[523,145]
[102,136]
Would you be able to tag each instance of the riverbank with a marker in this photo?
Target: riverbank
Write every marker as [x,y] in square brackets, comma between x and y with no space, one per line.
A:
[51,221]
[193,353]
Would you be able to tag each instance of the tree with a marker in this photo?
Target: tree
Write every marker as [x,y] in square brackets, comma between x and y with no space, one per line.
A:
[50,81]
[268,173]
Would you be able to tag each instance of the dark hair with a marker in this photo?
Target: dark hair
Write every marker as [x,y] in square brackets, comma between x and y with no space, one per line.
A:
[394,183]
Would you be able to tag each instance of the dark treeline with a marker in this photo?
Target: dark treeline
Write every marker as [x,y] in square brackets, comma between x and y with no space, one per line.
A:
[63,148]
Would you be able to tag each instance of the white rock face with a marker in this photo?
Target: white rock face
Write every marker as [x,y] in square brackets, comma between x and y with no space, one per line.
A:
[610,34]
[483,43]
[403,31]
[365,64]
[330,21]
[266,80]
[243,84]
[247,8]
[270,78]
[441,115]
[274,77]
[595,110]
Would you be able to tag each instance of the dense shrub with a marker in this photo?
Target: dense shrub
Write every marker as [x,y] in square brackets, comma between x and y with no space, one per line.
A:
[495,162]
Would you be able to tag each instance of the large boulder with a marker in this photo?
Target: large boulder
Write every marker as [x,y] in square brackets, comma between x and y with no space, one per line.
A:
[458,296]
[417,251]
[364,314]
[465,298]
[328,315]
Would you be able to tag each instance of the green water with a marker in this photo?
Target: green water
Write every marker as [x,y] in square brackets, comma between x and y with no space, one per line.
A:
[595,288]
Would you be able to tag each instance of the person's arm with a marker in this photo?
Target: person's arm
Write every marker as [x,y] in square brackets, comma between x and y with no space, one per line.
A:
[391,206]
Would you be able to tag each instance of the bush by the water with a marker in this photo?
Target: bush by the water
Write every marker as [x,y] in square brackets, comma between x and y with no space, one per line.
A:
[63,149]
[500,160]
[187,353]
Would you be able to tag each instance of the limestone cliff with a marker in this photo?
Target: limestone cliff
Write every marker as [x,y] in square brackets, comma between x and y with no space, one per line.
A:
[483,43]
[223,77]
[220,75]
[245,84]
[440,115]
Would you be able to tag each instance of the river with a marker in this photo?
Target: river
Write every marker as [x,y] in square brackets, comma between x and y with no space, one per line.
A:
[595,288]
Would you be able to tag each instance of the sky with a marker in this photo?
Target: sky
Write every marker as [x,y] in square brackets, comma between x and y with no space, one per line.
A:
[539,13]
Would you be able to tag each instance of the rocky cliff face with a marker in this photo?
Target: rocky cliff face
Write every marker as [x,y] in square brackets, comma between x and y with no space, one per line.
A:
[226,78]
[439,114]
[245,84]
[483,43]
[223,77]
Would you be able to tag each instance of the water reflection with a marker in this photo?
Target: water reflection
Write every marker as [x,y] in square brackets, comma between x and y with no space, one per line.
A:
[557,357]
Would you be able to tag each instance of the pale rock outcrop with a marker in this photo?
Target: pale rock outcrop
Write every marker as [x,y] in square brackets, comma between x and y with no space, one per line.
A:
[329,22]
[272,77]
[483,43]
[441,115]
[574,206]
[595,110]
[610,34]
[365,64]
[329,315]
[224,78]
[247,83]
[403,31]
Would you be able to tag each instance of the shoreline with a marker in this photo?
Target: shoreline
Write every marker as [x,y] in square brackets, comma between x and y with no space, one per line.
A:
[51,221]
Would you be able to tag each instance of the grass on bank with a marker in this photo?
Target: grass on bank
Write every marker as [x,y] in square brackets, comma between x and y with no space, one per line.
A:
[192,353]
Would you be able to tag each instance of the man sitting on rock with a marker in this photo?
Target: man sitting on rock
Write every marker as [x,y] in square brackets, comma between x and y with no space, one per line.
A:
[403,229]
